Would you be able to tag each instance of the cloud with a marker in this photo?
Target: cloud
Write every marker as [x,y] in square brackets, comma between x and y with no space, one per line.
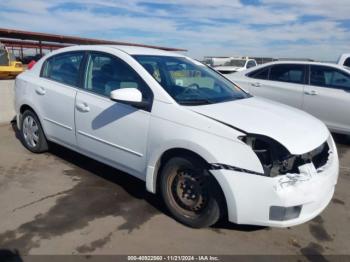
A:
[298,28]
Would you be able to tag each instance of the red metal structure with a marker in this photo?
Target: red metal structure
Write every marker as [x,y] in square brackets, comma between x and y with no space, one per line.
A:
[18,40]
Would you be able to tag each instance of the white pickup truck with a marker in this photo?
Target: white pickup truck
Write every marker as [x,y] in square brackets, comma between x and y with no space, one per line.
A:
[344,60]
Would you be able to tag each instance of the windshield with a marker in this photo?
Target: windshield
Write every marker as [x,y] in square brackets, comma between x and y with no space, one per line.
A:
[236,62]
[4,59]
[12,57]
[190,82]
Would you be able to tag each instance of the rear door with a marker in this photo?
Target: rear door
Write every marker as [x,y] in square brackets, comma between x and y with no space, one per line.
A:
[248,80]
[285,84]
[55,93]
[328,96]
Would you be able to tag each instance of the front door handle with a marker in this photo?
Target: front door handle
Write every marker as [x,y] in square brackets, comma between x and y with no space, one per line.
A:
[40,91]
[83,107]
[256,84]
[311,93]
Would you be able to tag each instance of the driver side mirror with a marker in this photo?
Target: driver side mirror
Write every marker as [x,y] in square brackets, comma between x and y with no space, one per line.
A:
[129,96]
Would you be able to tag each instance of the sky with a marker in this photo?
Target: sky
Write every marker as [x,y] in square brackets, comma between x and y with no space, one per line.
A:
[317,29]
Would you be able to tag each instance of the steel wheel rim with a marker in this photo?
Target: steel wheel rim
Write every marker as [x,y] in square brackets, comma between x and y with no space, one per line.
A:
[30,131]
[189,191]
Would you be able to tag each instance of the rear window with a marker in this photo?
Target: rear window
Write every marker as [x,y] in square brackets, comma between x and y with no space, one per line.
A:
[4,60]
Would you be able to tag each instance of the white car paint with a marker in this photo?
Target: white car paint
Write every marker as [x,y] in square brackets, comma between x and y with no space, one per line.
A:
[134,140]
[286,133]
[127,94]
[326,103]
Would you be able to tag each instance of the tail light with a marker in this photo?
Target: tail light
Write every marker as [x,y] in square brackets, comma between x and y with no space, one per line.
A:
[31,64]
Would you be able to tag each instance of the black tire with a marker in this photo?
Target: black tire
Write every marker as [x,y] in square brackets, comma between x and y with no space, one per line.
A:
[38,143]
[190,192]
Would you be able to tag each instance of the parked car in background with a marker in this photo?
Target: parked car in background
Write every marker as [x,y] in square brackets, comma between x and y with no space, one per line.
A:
[320,89]
[215,61]
[210,148]
[344,60]
[236,65]
[9,67]
[27,59]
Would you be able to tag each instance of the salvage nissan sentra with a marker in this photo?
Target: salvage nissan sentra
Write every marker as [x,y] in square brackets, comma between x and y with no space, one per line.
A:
[210,149]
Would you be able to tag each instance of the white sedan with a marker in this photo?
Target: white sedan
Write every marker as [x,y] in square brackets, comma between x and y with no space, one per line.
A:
[208,147]
[320,89]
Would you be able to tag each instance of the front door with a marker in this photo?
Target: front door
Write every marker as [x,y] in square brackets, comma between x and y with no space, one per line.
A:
[112,132]
[328,97]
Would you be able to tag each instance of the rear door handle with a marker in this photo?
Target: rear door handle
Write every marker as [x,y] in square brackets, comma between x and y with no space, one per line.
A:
[83,107]
[40,91]
[256,84]
[311,93]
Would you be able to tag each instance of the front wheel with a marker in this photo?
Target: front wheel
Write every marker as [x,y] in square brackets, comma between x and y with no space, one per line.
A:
[190,192]
[32,134]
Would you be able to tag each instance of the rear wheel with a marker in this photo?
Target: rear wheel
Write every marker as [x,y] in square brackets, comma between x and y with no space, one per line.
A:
[33,136]
[190,192]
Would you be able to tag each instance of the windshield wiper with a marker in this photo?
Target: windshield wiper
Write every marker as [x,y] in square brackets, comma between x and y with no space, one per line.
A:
[195,102]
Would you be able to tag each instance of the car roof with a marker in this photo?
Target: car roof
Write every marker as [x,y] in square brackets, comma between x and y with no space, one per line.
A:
[131,50]
[137,50]
[261,66]
[300,63]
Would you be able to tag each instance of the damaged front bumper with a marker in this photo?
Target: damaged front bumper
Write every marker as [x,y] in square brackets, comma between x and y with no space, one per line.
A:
[280,201]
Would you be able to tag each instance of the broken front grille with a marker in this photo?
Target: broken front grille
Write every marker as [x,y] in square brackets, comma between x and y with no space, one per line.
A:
[318,157]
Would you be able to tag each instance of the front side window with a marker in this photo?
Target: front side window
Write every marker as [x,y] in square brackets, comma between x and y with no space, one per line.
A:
[106,73]
[329,77]
[288,73]
[190,82]
[64,68]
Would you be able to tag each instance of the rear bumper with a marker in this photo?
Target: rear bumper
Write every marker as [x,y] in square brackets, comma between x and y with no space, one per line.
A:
[5,74]
[250,197]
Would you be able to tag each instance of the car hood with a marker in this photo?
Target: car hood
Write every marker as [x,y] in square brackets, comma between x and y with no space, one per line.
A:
[296,130]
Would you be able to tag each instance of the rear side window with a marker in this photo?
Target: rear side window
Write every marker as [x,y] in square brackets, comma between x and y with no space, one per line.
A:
[329,77]
[288,73]
[262,74]
[347,62]
[64,68]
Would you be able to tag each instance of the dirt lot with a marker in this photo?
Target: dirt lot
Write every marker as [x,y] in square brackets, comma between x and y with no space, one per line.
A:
[64,203]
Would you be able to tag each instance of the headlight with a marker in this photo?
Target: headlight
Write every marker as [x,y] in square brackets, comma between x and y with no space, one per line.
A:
[274,157]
